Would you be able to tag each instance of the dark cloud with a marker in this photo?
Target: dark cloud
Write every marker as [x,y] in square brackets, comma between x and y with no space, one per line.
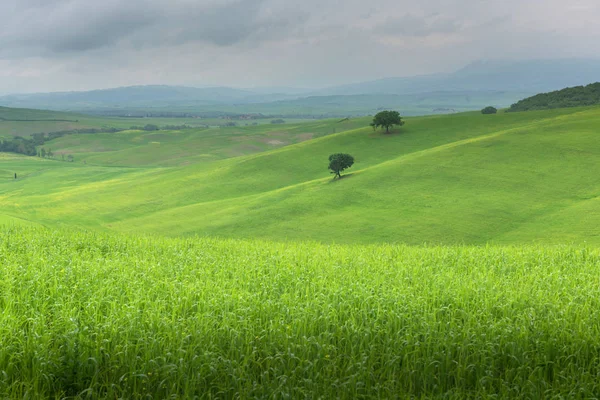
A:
[43,28]
[81,44]
[77,26]
[99,31]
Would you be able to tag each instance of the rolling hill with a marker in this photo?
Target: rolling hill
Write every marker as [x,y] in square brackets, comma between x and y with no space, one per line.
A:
[464,178]
[488,82]
[98,301]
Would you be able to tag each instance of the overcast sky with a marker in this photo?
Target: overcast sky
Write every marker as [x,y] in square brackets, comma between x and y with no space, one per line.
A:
[52,45]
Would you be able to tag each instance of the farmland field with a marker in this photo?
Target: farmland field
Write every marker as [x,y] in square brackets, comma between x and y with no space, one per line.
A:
[24,122]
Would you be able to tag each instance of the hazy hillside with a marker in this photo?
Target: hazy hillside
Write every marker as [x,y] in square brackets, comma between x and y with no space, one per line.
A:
[486,82]
[138,97]
[524,76]
[408,104]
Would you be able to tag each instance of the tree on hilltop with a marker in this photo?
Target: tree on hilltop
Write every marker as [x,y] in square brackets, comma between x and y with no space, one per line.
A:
[489,110]
[338,162]
[387,119]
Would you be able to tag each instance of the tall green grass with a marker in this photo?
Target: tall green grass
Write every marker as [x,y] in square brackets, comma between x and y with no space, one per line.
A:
[91,315]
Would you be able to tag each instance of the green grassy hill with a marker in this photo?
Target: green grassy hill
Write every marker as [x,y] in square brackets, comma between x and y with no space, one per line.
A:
[135,148]
[87,312]
[464,178]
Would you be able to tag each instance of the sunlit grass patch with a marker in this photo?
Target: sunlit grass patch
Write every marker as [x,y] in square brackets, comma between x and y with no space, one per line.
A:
[91,314]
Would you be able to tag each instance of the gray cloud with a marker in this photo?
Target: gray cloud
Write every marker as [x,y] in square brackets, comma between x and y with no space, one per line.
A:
[76,26]
[240,21]
[43,28]
[410,25]
[81,44]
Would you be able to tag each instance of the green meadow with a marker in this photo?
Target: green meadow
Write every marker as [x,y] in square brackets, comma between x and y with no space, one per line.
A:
[457,258]
[467,178]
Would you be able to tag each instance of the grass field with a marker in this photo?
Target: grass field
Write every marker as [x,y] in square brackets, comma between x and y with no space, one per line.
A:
[190,146]
[25,122]
[92,315]
[279,282]
[456,179]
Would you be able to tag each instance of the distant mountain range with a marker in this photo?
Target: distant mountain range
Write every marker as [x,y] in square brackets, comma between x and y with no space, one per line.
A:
[524,76]
[498,83]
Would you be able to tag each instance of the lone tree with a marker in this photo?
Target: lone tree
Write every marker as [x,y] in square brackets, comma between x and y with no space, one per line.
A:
[387,119]
[489,110]
[339,162]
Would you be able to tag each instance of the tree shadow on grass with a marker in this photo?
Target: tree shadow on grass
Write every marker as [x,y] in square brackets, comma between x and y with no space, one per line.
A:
[336,179]
[383,133]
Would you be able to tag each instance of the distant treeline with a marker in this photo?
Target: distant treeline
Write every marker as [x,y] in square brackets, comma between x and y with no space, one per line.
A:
[38,120]
[152,127]
[27,146]
[578,96]
[18,145]
[124,113]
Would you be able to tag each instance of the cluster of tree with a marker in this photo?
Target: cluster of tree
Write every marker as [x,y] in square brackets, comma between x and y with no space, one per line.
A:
[489,110]
[278,121]
[147,127]
[45,153]
[49,154]
[153,127]
[124,113]
[27,146]
[18,145]
[578,96]
[37,120]
[42,137]
[175,127]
